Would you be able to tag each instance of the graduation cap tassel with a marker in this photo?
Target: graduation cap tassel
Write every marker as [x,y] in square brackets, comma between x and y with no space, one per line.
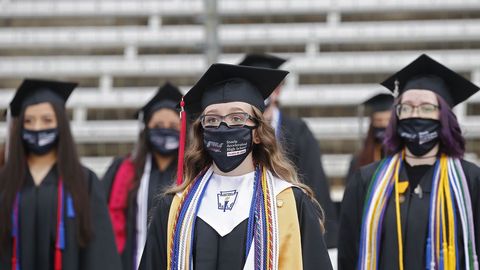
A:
[181,147]
[396,90]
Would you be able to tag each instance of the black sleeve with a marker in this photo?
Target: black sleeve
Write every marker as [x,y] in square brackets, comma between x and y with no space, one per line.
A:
[155,252]
[109,176]
[101,253]
[314,251]
[351,170]
[476,212]
[472,172]
[350,223]
[312,173]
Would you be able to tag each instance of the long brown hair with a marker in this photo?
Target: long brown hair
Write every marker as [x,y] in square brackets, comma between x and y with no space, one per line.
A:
[267,153]
[370,149]
[139,158]
[13,174]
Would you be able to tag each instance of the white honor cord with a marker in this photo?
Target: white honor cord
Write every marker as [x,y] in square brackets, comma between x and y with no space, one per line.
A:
[142,210]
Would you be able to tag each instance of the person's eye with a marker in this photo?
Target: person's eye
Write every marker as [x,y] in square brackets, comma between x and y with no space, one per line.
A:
[211,120]
[406,108]
[237,119]
[428,108]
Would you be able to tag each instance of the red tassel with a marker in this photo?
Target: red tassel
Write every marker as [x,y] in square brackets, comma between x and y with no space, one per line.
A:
[14,257]
[181,147]
[58,259]
[58,252]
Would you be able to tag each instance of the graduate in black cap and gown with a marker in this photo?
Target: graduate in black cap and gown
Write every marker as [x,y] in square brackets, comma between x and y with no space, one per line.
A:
[379,108]
[418,208]
[240,205]
[300,146]
[53,212]
[135,181]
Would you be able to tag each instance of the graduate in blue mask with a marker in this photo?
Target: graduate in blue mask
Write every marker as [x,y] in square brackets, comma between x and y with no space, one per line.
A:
[54,214]
[133,182]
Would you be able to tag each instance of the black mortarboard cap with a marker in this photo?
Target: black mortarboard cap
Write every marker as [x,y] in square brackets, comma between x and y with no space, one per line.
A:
[379,102]
[223,83]
[168,96]
[428,74]
[262,60]
[34,91]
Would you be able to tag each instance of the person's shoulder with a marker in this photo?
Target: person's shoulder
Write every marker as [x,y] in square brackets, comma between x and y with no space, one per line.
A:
[116,162]
[300,195]
[91,179]
[293,122]
[364,174]
[164,201]
[89,174]
[472,173]
[305,202]
[470,167]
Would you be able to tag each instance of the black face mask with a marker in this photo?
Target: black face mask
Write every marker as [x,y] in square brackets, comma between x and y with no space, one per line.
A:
[163,140]
[228,147]
[378,134]
[40,142]
[419,135]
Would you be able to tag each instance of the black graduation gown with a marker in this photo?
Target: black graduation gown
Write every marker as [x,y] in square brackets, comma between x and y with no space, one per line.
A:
[303,150]
[159,181]
[228,253]
[38,213]
[352,167]
[414,218]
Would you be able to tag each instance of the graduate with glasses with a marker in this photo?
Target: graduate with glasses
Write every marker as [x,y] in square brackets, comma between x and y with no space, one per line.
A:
[53,212]
[418,208]
[240,205]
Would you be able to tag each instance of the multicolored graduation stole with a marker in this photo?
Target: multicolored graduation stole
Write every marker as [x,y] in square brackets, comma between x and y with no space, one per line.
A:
[60,242]
[262,230]
[450,197]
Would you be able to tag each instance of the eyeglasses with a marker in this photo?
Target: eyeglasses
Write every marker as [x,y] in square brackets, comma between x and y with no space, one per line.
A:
[232,120]
[423,110]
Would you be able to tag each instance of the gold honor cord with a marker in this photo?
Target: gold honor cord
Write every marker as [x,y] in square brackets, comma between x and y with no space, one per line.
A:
[399,220]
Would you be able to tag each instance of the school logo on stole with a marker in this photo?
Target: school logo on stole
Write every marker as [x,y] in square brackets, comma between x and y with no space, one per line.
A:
[226,200]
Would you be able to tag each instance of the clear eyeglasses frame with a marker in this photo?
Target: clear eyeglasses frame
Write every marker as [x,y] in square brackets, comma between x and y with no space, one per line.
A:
[232,120]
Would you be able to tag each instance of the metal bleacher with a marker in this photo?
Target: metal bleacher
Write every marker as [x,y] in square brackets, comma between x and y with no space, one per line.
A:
[344,38]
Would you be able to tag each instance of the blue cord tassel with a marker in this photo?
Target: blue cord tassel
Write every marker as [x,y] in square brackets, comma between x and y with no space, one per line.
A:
[61,226]
[70,208]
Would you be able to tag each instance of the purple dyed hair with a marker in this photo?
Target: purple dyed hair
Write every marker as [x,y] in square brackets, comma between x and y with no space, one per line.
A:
[452,142]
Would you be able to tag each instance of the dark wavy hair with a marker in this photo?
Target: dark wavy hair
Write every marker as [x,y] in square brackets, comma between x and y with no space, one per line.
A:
[452,142]
[13,174]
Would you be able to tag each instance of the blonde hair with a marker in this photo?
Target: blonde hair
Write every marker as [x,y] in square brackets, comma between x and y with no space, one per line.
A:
[267,153]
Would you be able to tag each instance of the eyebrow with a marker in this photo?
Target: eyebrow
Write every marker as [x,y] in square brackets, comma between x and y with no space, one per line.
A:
[413,102]
[236,109]
[231,110]
[211,111]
